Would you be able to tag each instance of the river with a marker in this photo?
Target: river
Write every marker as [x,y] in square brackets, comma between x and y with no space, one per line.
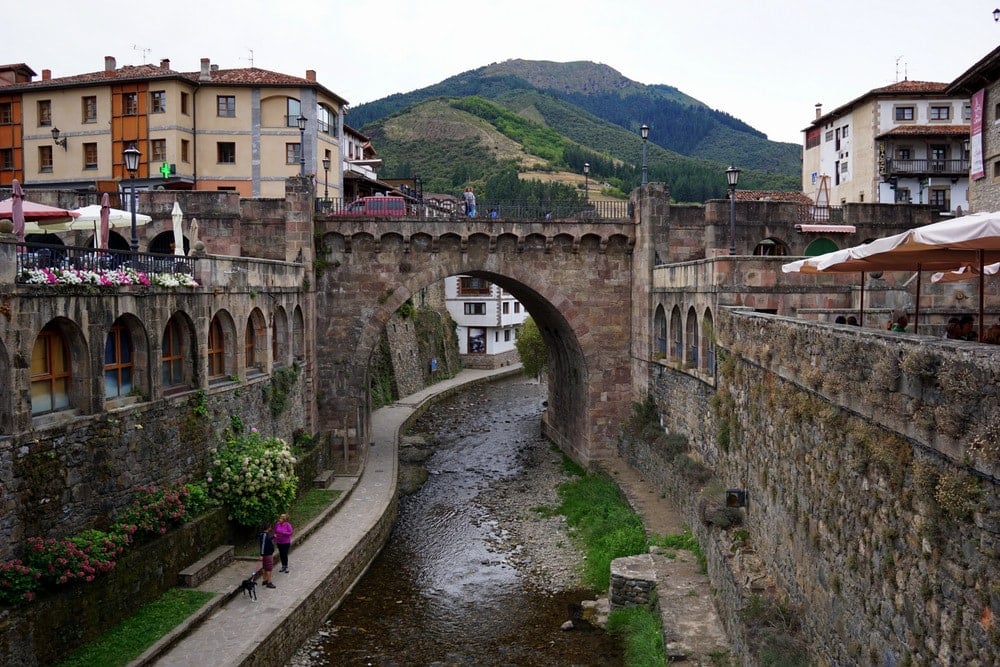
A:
[450,588]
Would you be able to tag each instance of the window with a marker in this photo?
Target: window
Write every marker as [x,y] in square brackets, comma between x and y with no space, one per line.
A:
[967,112]
[904,113]
[6,113]
[845,131]
[476,342]
[158,150]
[185,148]
[829,135]
[158,101]
[226,106]
[324,120]
[506,307]
[475,308]
[50,372]
[517,306]
[172,353]
[45,112]
[216,350]
[996,170]
[45,159]
[292,152]
[89,109]
[903,153]
[130,104]
[250,345]
[184,104]
[940,113]
[939,199]
[506,335]
[226,152]
[90,156]
[843,167]
[7,159]
[118,363]
[294,109]
[469,285]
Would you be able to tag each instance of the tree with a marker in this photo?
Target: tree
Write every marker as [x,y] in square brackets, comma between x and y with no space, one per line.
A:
[531,348]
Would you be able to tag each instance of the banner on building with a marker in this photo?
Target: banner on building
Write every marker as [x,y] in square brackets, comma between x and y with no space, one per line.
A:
[977,170]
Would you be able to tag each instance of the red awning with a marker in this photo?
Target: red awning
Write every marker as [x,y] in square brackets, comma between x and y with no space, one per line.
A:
[826,229]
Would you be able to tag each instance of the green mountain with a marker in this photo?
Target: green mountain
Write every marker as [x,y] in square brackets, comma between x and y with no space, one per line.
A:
[545,117]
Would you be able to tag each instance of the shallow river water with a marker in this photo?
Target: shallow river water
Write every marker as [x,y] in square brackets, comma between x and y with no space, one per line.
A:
[437,594]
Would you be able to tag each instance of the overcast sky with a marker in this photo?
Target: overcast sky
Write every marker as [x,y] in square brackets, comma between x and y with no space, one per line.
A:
[766,62]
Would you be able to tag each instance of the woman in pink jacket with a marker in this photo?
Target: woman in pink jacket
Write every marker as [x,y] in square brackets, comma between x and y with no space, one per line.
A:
[283,538]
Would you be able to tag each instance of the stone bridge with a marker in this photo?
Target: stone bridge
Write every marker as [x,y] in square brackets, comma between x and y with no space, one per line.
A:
[575,278]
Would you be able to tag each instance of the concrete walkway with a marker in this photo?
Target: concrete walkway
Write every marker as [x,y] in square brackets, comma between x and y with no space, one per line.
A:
[229,629]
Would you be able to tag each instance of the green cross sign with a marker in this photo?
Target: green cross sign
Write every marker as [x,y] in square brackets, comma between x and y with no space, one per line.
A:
[165,170]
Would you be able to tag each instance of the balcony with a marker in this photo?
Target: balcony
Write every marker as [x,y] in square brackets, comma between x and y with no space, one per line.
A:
[926,167]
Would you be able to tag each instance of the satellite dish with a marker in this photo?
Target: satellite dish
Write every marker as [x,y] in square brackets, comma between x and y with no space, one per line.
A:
[159,187]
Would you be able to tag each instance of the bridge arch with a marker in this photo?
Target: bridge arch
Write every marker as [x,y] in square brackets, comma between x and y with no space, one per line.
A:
[574,280]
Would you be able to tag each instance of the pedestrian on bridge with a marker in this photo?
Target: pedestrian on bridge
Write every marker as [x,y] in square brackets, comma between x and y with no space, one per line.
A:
[469,198]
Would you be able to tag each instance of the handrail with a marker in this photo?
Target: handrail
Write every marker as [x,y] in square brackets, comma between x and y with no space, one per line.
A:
[55,256]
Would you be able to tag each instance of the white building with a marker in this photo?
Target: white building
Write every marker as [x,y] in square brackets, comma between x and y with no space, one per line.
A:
[904,143]
[488,319]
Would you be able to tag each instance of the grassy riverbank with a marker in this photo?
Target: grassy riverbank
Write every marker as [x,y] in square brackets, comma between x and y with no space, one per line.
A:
[607,528]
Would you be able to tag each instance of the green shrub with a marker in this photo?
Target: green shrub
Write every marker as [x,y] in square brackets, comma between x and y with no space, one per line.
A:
[254,477]
[153,512]
[642,635]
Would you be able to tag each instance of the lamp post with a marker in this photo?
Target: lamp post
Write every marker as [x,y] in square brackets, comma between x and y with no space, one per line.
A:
[586,181]
[326,179]
[644,133]
[132,156]
[302,144]
[732,178]
[996,14]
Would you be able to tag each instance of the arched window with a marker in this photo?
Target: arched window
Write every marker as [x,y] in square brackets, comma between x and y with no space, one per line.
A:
[660,325]
[119,362]
[677,330]
[820,246]
[249,345]
[172,354]
[293,111]
[51,372]
[692,338]
[298,335]
[216,350]
[279,338]
[708,342]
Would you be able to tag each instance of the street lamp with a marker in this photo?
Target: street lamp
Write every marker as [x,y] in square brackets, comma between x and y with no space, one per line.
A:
[586,181]
[996,14]
[732,177]
[132,156]
[302,144]
[326,179]
[644,132]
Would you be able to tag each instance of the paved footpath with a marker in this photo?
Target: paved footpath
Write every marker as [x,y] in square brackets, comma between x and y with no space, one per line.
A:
[229,628]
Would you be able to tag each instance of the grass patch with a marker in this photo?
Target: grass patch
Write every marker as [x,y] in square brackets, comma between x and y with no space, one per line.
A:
[604,523]
[641,633]
[685,541]
[135,634]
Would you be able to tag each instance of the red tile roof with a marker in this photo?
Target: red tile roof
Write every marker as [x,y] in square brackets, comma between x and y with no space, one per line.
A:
[927,131]
[906,86]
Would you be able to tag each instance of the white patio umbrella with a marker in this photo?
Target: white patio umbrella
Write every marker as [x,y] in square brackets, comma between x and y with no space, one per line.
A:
[91,215]
[176,217]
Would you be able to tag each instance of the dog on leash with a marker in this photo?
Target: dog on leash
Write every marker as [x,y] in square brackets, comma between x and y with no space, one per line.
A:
[249,586]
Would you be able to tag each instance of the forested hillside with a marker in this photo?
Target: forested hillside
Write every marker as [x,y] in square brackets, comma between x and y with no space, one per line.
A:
[549,117]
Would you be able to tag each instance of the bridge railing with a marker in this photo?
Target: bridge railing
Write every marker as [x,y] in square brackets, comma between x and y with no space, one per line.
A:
[597,211]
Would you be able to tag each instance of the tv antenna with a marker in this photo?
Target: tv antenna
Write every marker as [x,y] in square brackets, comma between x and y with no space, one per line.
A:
[136,47]
[899,59]
[249,58]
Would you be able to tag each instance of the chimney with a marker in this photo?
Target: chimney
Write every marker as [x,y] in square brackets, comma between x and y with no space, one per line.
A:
[819,110]
[164,63]
[205,70]
[46,74]
[311,75]
[109,64]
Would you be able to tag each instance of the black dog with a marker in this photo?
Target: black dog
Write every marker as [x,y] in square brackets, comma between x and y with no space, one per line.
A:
[249,586]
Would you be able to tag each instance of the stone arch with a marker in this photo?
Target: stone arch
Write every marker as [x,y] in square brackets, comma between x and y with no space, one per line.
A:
[677,335]
[179,355]
[660,332]
[298,335]
[708,341]
[126,376]
[772,246]
[163,244]
[78,384]
[279,338]
[820,246]
[692,338]
[255,343]
[222,347]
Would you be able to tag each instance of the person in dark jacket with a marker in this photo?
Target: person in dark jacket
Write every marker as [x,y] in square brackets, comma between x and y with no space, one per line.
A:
[267,555]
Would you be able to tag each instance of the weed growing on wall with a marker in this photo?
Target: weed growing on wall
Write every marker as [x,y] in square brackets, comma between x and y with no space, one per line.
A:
[254,477]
